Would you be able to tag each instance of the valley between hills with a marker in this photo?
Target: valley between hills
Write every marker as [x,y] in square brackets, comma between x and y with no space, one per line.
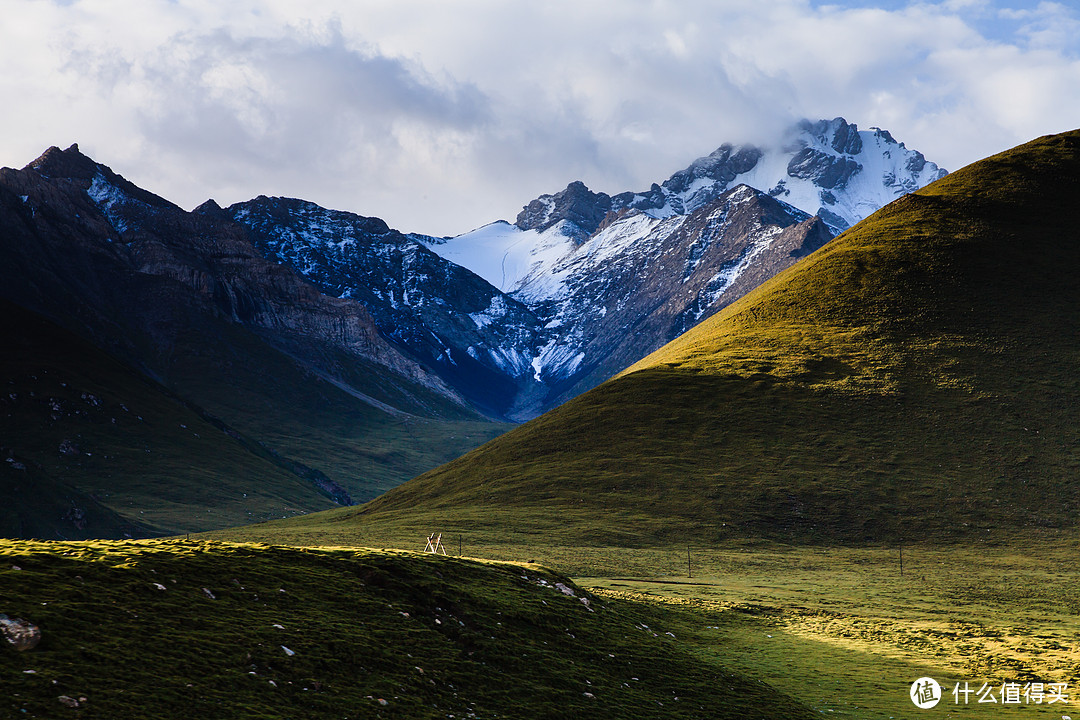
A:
[860,473]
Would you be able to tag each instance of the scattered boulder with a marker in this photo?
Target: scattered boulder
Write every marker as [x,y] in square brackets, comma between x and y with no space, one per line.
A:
[21,634]
[67,701]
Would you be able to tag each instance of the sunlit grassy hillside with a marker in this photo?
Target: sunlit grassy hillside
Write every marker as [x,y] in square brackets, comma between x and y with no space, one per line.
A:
[916,378]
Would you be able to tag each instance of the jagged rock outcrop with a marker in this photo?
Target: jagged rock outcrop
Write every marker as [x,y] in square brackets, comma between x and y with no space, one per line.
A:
[698,184]
[827,171]
[576,204]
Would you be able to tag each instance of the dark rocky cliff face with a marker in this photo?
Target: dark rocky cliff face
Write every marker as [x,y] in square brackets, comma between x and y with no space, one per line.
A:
[576,204]
[141,275]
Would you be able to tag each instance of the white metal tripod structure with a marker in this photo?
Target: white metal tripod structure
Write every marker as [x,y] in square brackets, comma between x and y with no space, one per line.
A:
[434,544]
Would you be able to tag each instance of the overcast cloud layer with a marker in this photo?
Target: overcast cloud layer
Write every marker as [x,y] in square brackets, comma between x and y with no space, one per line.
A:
[439,116]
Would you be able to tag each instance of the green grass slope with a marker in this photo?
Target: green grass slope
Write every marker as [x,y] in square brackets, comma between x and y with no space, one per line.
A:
[90,448]
[266,394]
[914,379]
[174,629]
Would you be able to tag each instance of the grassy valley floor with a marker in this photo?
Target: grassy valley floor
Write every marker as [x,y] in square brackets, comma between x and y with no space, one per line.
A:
[836,627]
[205,628]
[841,630]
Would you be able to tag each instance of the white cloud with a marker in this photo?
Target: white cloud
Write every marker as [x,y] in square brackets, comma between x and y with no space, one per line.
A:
[442,116]
[1048,26]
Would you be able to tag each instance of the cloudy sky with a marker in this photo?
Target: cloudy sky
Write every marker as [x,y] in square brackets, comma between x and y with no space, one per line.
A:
[442,115]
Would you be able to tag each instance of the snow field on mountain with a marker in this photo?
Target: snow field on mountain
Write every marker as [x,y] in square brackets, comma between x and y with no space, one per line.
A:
[500,253]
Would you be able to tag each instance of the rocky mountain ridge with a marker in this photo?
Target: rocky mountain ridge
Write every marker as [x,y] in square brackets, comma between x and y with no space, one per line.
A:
[431,308]
[827,168]
[543,326]
[581,276]
[79,206]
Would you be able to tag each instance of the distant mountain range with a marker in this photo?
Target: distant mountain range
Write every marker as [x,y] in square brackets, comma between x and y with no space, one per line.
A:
[348,356]
[584,283]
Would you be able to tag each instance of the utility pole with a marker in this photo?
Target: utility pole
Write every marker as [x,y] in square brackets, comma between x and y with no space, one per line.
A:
[689,573]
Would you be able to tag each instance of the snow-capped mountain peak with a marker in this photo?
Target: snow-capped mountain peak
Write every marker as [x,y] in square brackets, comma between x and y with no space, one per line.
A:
[827,168]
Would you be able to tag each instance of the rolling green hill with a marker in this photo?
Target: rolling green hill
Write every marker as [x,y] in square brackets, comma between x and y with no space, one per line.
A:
[914,379]
[174,629]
